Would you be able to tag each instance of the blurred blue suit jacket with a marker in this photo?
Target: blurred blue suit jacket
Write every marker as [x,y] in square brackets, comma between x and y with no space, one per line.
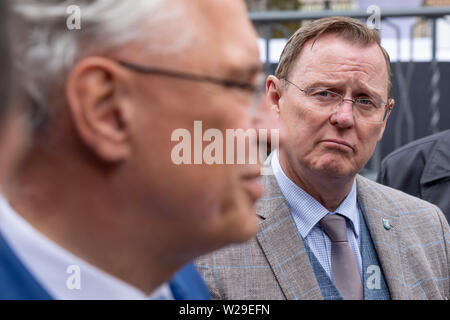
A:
[16,282]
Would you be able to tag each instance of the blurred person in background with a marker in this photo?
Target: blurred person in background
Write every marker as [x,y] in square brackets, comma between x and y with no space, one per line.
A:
[98,209]
[326,232]
[421,168]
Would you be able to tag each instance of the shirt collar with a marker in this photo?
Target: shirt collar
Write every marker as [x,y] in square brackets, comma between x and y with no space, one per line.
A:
[55,268]
[307,210]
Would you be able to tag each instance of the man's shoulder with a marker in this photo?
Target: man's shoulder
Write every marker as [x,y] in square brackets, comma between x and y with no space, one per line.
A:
[380,191]
[235,253]
[418,163]
[395,201]
[231,258]
[423,145]
[226,271]
[390,197]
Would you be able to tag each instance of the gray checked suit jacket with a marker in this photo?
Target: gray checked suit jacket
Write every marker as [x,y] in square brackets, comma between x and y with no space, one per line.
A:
[414,253]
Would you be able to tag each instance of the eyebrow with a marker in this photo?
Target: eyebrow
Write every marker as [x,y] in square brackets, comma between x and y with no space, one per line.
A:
[361,86]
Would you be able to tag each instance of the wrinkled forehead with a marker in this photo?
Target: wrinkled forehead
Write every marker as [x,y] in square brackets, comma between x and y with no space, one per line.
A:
[332,57]
[225,38]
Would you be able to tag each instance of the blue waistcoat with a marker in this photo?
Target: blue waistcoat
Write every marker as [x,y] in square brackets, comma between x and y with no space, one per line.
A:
[374,284]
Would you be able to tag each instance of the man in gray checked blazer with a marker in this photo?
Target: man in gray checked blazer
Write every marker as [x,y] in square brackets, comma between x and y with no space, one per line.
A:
[274,265]
[325,231]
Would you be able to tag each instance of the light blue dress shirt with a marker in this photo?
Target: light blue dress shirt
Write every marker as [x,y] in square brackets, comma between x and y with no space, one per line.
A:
[307,212]
[54,267]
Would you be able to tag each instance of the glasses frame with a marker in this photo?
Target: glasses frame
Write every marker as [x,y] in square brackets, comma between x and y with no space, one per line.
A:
[228,83]
[257,90]
[385,104]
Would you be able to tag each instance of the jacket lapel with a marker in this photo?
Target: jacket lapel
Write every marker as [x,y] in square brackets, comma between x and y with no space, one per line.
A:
[385,236]
[282,245]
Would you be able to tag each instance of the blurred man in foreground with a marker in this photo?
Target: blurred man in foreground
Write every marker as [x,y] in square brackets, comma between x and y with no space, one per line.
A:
[326,232]
[99,209]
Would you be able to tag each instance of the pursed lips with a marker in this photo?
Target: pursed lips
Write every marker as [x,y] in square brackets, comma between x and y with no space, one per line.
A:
[339,142]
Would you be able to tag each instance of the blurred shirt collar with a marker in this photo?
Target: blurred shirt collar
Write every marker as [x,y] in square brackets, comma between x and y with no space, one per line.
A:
[54,267]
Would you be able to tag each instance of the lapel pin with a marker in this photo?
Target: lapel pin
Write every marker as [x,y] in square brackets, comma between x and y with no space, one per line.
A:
[386,224]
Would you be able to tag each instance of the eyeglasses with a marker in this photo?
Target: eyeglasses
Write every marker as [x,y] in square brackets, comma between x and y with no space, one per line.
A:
[326,101]
[257,89]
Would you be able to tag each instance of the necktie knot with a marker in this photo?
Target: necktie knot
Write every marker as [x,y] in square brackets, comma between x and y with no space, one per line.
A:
[335,226]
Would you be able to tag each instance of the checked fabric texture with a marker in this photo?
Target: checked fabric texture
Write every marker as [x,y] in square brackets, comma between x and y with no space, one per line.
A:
[413,254]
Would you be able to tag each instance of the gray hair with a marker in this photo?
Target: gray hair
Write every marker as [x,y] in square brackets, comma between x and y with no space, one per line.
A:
[48,49]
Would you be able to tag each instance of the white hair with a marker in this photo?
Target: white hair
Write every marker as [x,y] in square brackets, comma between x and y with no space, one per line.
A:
[49,48]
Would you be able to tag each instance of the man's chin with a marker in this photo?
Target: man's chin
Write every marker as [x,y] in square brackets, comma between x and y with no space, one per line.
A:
[248,227]
[334,168]
[243,226]
[253,188]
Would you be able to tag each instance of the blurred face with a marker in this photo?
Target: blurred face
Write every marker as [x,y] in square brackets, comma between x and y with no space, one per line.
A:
[334,144]
[212,204]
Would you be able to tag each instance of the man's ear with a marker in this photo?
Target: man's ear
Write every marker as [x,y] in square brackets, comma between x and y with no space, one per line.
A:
[273,93]
[98,107]
[391,104]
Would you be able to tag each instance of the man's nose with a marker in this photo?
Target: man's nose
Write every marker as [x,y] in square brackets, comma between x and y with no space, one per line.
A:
[267,118]
[343,116]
